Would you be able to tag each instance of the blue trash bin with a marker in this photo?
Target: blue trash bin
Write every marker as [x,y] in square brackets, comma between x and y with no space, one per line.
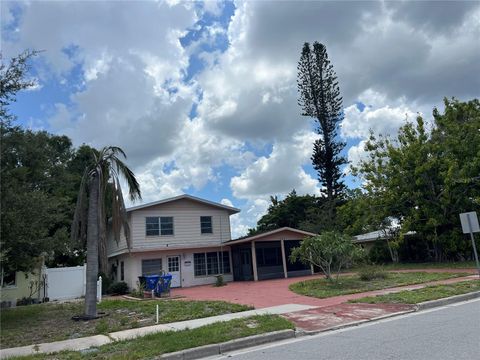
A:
[163,285]
[151,281]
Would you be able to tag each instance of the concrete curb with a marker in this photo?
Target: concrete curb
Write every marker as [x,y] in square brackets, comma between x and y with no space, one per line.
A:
[449,300]
[216,349]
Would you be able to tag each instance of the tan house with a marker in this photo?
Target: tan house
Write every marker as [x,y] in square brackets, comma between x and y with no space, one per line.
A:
[185,236]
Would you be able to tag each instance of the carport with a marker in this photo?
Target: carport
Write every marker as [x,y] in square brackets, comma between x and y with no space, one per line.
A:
[265,256]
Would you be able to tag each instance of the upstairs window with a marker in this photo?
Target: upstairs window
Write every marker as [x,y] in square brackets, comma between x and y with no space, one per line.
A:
[206,224]
[166,225]
[152,226]
[159,225]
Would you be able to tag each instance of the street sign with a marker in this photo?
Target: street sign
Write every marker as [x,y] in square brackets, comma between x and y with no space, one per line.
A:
[469,226]
[469,222]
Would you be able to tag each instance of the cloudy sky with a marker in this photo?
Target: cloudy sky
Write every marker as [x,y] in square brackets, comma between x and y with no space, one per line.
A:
[203,98]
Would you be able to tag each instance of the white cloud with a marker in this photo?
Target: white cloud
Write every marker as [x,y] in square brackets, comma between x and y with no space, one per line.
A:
[196,153]
[279,172]
[376,116]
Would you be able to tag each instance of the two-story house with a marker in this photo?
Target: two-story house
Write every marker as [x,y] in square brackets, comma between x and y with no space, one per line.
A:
[183,235]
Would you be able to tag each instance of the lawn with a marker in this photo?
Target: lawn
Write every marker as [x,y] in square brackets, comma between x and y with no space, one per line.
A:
[426,294]
[322,288]
[151,346]
[428,265]
[33,324]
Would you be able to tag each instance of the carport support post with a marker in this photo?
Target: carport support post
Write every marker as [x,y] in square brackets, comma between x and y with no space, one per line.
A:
[254,262]
[284,260]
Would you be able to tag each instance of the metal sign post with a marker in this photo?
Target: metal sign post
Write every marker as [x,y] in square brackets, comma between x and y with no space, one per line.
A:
[469,226]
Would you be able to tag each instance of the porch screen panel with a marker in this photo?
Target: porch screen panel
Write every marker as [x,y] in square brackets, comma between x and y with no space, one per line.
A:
[226,262]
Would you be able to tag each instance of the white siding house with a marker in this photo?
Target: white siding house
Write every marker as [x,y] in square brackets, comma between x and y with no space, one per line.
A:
[184,236]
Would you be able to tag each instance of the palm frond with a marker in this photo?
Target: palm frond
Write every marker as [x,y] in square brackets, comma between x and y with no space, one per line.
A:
[102,241]
[78,231]
[121,213]
[129,176]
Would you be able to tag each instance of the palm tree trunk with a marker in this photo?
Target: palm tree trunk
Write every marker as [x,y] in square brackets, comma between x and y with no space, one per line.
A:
[92,250]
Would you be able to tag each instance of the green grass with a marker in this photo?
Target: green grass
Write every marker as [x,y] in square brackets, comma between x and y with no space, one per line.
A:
[428,265]
[420,295]
[150,346]
[322,288]
[33,324]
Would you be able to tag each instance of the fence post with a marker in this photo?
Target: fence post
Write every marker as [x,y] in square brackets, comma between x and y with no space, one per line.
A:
[99,289]
[84,268]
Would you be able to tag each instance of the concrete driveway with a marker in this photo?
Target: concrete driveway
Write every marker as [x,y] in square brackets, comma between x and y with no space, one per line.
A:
[267,293]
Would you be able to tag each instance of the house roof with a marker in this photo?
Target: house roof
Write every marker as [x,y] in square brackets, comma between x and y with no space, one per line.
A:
[268,233]
[230,209]
[376,235]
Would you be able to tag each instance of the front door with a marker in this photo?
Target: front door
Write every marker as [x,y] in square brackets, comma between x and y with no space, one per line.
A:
[173,263]
[246,263]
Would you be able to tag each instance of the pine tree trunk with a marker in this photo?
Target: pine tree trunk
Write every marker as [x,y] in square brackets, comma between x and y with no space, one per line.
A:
[92,250]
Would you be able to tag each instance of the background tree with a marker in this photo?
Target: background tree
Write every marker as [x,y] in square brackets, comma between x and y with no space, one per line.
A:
[90,217]
[293,211]
[425,179]
[319,97]
[12,80]
[37,197]
[331,251]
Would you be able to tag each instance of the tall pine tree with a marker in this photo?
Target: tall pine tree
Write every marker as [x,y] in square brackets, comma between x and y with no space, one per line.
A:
[320,99]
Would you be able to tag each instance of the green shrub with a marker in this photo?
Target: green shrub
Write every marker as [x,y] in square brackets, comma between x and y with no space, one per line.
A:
[372,273]
[220,281]
[139,291]
[379,253]
[119,288]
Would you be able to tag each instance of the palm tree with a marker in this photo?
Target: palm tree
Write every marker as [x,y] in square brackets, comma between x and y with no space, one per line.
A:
[101,178]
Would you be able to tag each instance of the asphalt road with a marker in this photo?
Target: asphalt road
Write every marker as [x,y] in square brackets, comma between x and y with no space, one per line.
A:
[451,332]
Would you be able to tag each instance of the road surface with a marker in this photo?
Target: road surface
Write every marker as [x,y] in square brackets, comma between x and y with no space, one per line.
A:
[451,332]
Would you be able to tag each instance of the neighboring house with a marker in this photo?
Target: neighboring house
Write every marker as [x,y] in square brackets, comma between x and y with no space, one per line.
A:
[184,235]
[367,240]
[18,285]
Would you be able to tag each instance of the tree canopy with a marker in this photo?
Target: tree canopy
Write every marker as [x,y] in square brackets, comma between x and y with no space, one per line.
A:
[293,211]
[424,179]
[39,175]
[319,97]
[38,198]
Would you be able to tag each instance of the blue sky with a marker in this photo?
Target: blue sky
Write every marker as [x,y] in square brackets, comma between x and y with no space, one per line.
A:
[202,96]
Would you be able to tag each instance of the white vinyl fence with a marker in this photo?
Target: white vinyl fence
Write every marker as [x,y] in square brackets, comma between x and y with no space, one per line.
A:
[68,283]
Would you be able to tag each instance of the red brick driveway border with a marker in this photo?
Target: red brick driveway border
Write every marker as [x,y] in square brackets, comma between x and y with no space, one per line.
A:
[335,316]
[267,293]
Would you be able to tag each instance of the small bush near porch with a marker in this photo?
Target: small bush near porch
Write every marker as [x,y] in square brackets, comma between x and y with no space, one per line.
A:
[322,288]
[48,322]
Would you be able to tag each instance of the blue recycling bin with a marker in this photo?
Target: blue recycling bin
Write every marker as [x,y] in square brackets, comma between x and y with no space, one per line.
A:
[151,281]
[163,285]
